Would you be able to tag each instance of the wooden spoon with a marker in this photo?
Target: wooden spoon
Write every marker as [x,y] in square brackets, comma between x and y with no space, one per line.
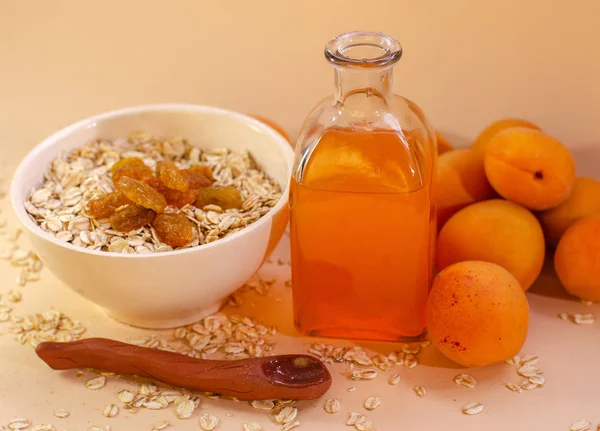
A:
[299,377]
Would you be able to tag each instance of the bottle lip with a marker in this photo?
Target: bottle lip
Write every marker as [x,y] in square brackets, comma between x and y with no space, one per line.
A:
[383,49]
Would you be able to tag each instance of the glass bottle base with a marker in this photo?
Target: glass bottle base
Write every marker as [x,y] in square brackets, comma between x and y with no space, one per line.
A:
[361,334]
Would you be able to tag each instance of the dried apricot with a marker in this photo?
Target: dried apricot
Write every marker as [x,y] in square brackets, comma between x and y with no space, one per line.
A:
[105,205]
[172,176]
[141,194]
[131,218]
[133,171]
[173,229]
[127,161]
[225,197]
[198,176]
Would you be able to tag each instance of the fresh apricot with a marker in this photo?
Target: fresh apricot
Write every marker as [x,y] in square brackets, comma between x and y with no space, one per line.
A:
[443,145]
[530,168]
[273,125]
[584,201]
[577,259]
[482,141]
[496,231]
[477,313]
[460,181]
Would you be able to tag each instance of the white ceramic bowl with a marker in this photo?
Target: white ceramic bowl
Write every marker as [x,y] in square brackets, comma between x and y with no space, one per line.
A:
[168,289]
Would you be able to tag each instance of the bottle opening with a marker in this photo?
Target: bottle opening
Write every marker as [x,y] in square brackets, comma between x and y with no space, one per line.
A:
[363,48]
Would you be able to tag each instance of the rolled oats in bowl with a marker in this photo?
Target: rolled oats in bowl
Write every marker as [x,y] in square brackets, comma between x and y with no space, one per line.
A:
[145,194]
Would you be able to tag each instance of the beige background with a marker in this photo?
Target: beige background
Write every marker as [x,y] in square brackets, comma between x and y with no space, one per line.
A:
[466,62]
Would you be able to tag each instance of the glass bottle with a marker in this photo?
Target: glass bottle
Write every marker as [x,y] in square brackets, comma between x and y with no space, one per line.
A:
[362,214]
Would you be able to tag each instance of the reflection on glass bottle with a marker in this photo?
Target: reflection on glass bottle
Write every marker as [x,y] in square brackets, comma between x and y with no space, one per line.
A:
[362,221]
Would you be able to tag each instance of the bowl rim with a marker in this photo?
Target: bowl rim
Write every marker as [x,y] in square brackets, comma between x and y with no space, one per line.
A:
[48,142]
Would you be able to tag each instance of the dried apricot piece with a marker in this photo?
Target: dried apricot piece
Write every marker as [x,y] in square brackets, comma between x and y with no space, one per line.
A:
[172,176]
[127,161]
[131,218]
[198,176]
[173,229]
[225,197]
[132,171]
[105,205]
[141,194]
[174,197]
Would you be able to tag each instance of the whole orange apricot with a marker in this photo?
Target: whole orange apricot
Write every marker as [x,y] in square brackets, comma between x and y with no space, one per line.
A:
[584,201]
[443,145]
[273,125]
[477,313]
[530,168]
[577,259]
[495,231]
[482,141]
[460,181]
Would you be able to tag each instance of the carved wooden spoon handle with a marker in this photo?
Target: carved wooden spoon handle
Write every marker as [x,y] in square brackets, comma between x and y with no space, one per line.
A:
[284,376]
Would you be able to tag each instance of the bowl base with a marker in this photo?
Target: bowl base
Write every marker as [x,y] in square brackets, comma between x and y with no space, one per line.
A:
[166,323]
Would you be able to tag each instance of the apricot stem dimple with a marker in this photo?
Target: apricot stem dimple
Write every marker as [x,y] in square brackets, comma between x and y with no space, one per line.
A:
[538,175]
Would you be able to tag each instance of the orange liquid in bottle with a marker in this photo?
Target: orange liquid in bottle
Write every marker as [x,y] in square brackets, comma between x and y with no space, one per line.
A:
[361,238]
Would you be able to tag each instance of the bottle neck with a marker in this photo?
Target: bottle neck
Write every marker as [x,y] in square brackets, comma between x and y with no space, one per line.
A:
[374,83]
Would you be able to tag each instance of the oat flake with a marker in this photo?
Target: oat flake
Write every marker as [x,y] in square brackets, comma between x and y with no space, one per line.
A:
[61,413]
[472,408]
[465,380]
[420,391]
[581,425]
[160,426]
[43,427]
[264,405]
[332,406]
[513,387]
[290,425]
[286,415]
[208,422]
[252,426]
[185,409]
[96,383]
[19,423]
[394,379]
[354,418]
[110,411]
[371,403]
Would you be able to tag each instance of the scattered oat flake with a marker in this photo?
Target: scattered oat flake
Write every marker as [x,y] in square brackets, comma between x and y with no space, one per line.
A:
[286,415]
[160,426]
[515,360]
[290,425]
[95,428]
[13,296]
[96,383]
[371,403]
[472,408]
[563,316]
[410,360]
[264,405]
[252,426]
[394,379]
[538,380]
[43,427]
[528,385]
[420,391]
[332,406]
[351,389]
[185,409]
[465,380]
[110,411]
[528,371]
[19,423]
[368,374]
[126,396]
[354,418]
[530,360]
[208,422]
[581,425]
[364,425]
[513,387]
[583,319]
[61,413]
